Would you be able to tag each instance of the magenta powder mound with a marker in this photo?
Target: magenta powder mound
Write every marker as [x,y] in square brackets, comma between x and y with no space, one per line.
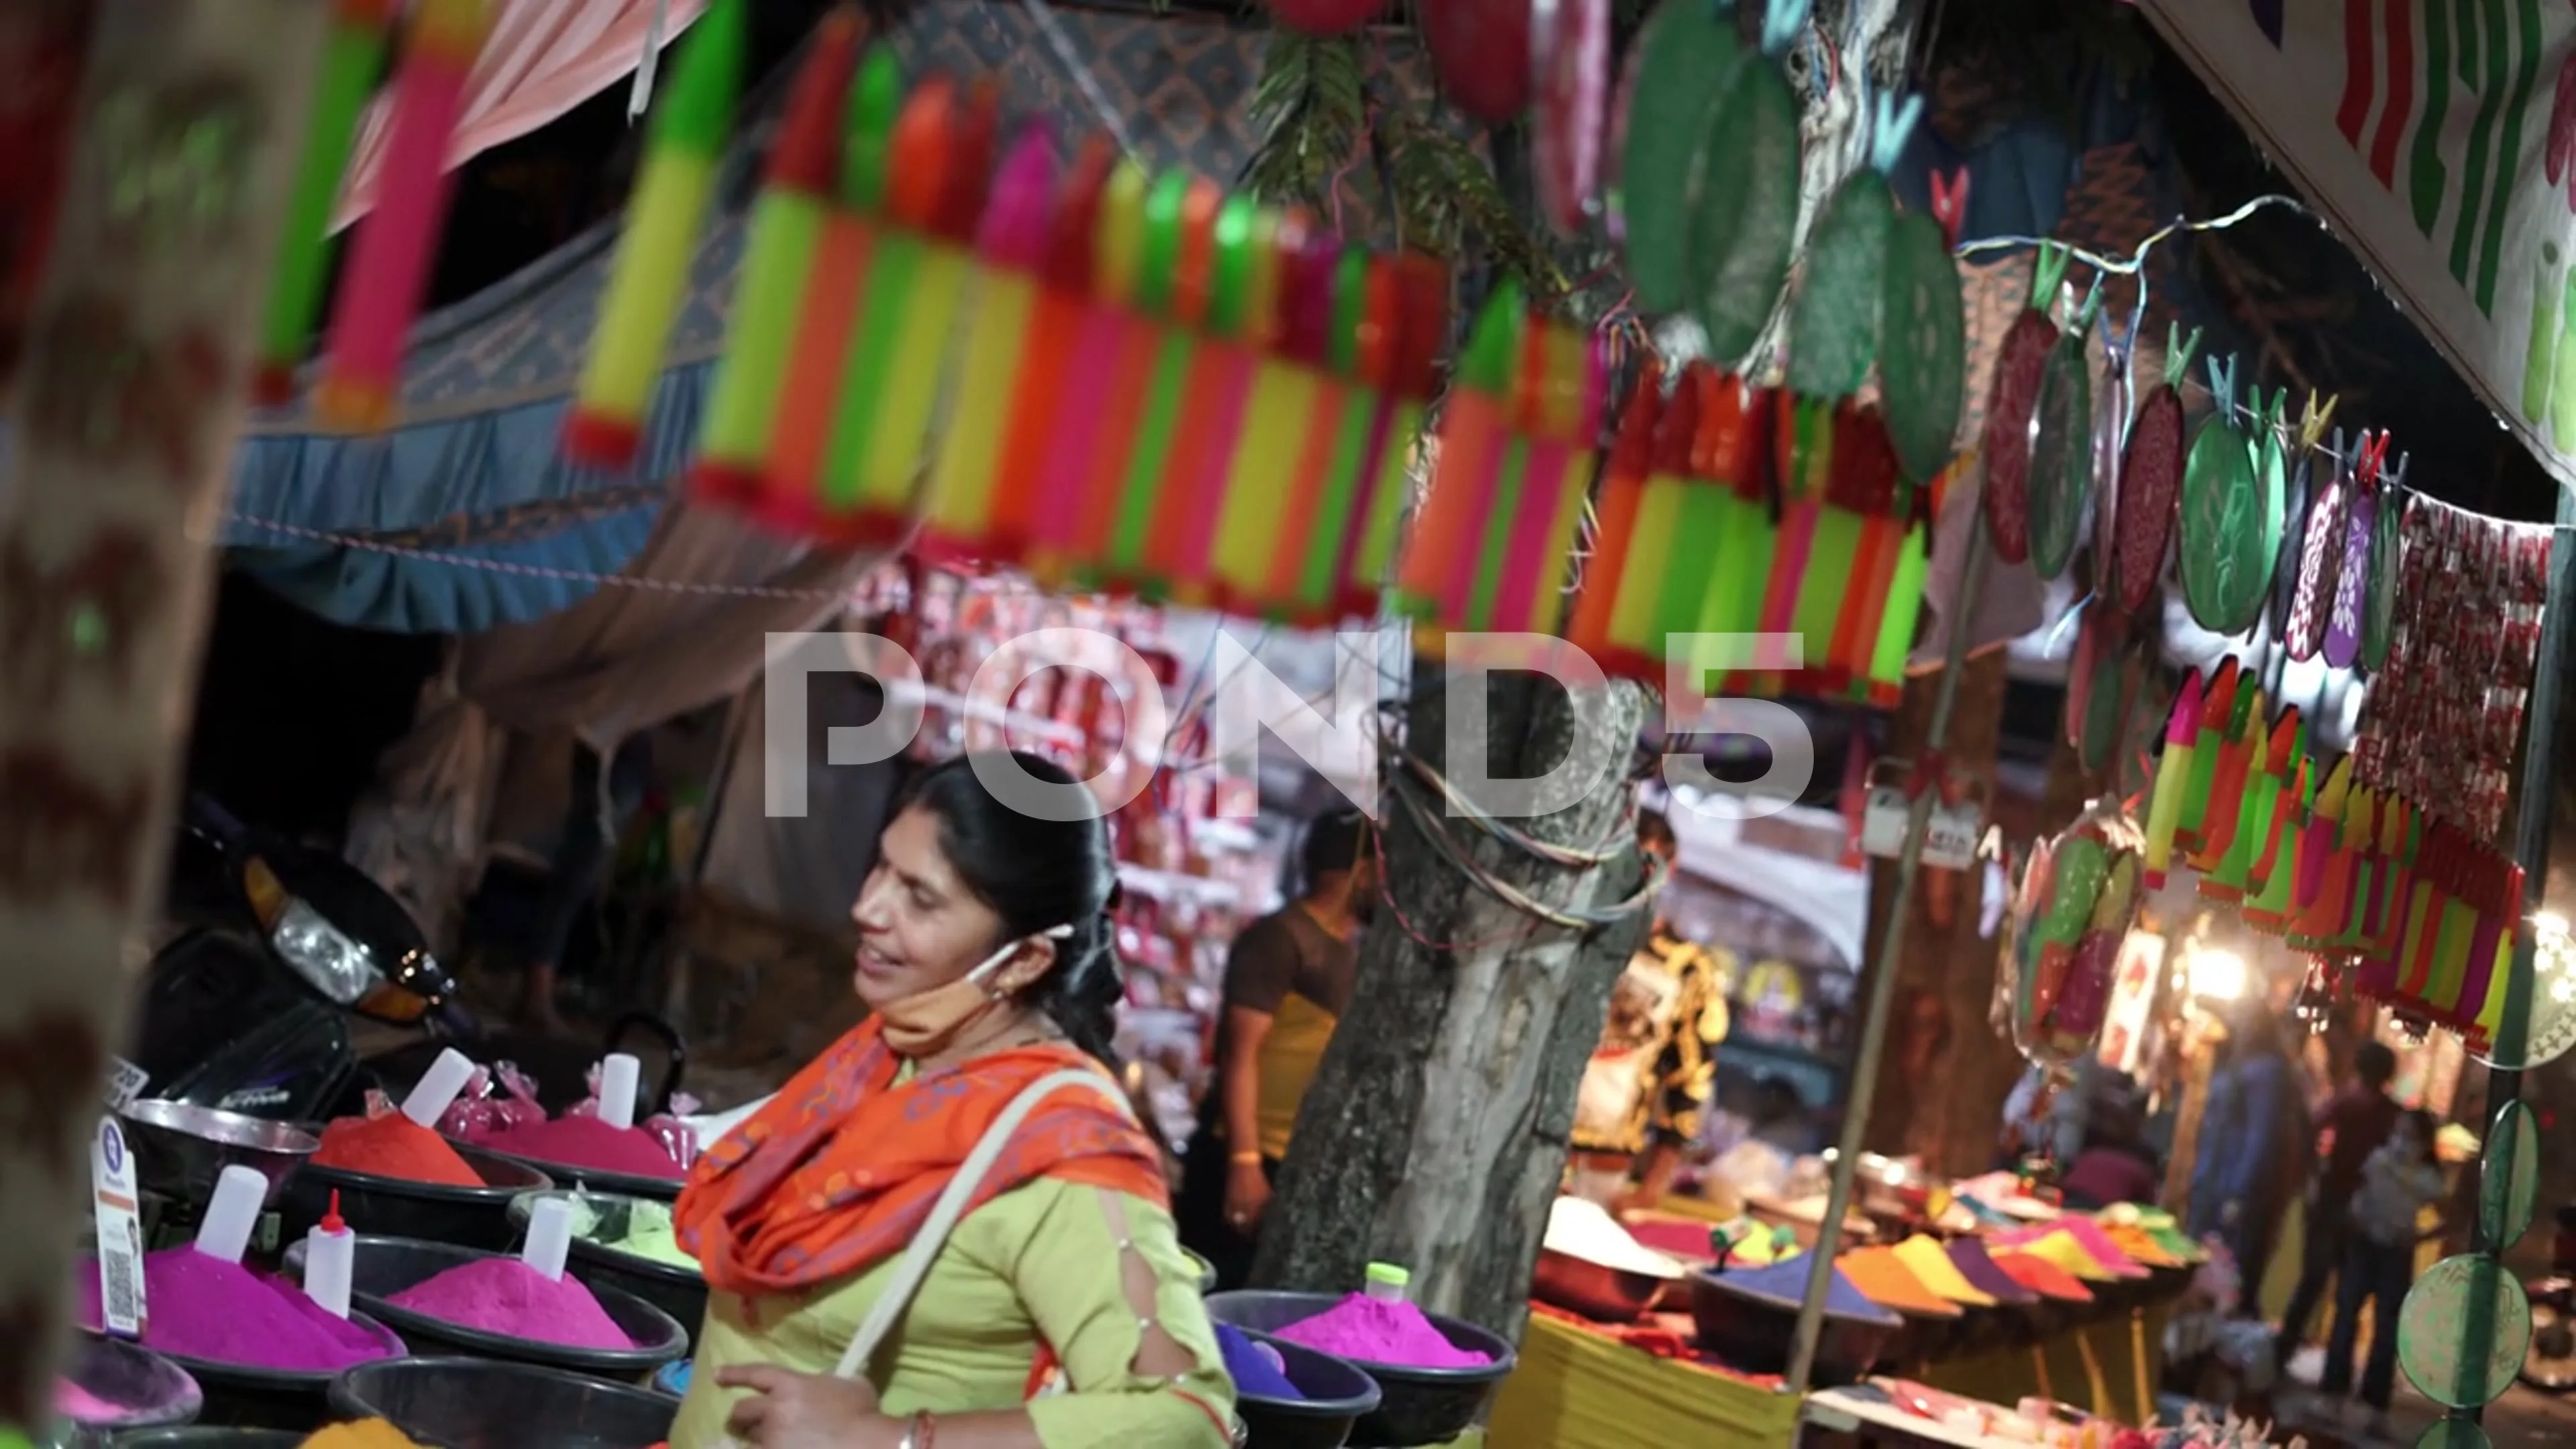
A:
[1374,1331]
[1974,1264]
[507,1297]
[2088,1235]
[585,1142]
[204,1308]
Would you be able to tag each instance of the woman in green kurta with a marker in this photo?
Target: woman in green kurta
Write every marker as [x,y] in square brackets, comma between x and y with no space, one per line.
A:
[1056,1307]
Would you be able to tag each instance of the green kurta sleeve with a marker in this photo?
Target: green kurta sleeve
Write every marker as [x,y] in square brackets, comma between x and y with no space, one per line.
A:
[1084,1277]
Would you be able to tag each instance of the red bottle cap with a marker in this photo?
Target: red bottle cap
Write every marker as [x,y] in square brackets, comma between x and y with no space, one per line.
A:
[331,1222]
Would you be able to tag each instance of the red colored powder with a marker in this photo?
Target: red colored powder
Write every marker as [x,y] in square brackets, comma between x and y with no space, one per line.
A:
[393,1146]
[2043,1277]
[506,1296]
[585,1142]
[201,1307]
[1373,1331]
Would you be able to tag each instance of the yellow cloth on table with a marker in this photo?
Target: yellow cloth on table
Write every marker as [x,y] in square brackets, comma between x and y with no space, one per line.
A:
[1579,1390]
[364,1434]
[2064,1251]
[1039,1264]
[1930,1263]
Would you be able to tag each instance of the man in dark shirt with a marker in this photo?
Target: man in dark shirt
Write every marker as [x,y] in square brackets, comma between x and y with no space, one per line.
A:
[1287,982]
[2354,1122]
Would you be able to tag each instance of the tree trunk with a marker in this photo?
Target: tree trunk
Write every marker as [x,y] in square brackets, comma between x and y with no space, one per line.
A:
[1940,1029]
[123,418]
[1436,1131]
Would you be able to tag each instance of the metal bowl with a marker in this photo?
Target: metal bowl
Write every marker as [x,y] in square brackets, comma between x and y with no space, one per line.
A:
[148,1390]
[180,1149]
[450,1403]
[1579,1285]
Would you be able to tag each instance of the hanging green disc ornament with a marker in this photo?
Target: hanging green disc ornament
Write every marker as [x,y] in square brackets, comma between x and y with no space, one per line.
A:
[1685,62]
[2433,1328]
[1839,320]
[2061,453]
[2227,556]
[2509,1179]
[2379,609]
[1736,241]
[1923,348]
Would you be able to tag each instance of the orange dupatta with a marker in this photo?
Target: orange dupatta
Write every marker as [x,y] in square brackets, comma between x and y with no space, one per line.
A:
[840,1170]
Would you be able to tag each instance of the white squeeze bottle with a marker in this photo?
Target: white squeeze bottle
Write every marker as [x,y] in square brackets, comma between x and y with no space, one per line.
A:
[330,1261]
[1387,1282]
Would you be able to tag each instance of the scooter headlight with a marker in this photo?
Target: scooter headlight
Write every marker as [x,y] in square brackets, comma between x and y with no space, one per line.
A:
[330,962]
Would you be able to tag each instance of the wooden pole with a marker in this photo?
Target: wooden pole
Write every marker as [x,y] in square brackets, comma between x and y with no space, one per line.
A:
[115,451]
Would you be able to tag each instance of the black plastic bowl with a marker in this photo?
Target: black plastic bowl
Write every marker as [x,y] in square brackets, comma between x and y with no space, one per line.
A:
[208,1436]
[149,1390]
[466,1403]
[1337,1394]
[677,1291]
[1415,1405]
[473,1217]
[1752,1330]
[590,1179]
[260,1398]
[387,1266]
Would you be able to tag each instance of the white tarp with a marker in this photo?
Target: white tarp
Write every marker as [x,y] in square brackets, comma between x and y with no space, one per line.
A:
[2433,135]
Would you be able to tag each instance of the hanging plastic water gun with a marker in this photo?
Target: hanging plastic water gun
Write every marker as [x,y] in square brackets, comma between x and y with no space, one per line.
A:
[1805,468]
[944,209]
[649,278]
[782,271]
[1094,258]
[1868,487]
[1062,257]
[2217,718]
[389,261]
[1273,468]
[1414,301]
[1623,484]
[1649,599]
[1297,576]
[1216,392]
[1728,515]
[1174,277]
[1520,570]
[2252,835]
[2173,777]
[1010,248]
[1905,595]
[353,56]
[1476,440]
[2239,740]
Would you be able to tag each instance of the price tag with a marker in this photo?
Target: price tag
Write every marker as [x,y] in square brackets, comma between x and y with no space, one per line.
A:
[120,1232]
[125,1082]
[1949,842]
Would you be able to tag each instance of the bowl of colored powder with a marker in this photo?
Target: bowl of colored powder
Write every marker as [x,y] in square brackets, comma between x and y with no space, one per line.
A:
[1288,1395]
[491,1305]
[114,1385]
[361,1434]
[1747,1317]
[394,1194]
[582,1149]
[478,1401]
[628,1243]
[261,1352]
[181,1149]
[211,1436]
[1435,1374]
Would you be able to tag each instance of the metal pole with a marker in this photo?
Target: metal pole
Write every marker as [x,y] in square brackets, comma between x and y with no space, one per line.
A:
[1882,983]
[2531,852]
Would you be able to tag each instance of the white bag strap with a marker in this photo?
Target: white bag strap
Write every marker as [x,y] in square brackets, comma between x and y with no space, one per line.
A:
[914,1266]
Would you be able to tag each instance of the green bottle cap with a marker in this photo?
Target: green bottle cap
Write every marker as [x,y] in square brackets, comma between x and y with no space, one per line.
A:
[1388,1274]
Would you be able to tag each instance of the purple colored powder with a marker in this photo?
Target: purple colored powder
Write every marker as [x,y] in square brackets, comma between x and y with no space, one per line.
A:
[1256,1368]
[1974,1264]
[1372,1330]
[204,1308]
[1786,1282]
[507,1297]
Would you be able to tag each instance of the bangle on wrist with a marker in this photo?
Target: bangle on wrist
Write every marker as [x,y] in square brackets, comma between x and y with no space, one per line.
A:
[924,1431]
[1245,1159]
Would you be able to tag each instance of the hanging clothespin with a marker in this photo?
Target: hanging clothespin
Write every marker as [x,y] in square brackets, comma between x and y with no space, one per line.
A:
[2178,354]
[1896,120]
[2082,319]
[2120,342]
[2048,273]
[2222,386]
[2341,458]
[2371,455]
[1950,204]
[2392,481]
[2313,420]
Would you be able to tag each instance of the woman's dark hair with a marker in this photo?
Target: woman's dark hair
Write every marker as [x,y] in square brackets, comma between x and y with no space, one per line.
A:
[1036,874]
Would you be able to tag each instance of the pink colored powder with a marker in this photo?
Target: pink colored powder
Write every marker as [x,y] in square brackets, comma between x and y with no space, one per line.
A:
[2088,1235]
[584,1142]
[205,1308]
[83,1407]
[506,1296]
[1374,1331]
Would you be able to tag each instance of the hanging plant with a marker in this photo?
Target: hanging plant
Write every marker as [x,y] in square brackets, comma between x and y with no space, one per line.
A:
[1480,52]
[1685,61]
[1570,44]
[2061,454]
[1836,325]
[2151,469]
[1737,239]
[2230,528]
[1923,356]
[2012,408]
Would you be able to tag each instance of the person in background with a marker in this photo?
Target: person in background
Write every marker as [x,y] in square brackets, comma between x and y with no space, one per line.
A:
[2115,1165]
[2397,1181]
[1287,982]
[527,912]
[1641,1097]
[2354,1123]
[2251,1155]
